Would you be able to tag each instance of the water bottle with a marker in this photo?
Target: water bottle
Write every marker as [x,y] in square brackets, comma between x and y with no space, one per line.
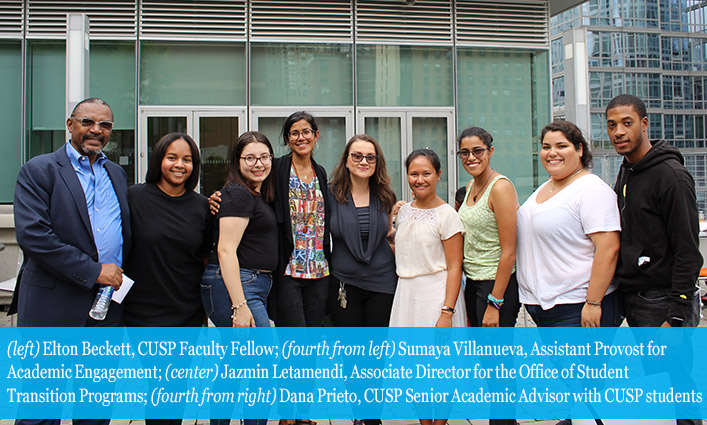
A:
[101,303]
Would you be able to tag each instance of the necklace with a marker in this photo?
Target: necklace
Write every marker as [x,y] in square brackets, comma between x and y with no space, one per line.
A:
[297,174]
[483,186]
[552,185]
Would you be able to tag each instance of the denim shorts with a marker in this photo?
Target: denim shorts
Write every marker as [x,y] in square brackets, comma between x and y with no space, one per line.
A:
[217,302]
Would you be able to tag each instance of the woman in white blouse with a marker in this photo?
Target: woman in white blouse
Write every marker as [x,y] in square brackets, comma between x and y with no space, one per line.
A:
[428,252]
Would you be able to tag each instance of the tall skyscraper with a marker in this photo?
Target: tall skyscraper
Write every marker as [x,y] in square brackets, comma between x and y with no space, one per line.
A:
[654,49]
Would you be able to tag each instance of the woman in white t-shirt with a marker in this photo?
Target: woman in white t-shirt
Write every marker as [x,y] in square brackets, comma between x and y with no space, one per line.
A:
[568,238]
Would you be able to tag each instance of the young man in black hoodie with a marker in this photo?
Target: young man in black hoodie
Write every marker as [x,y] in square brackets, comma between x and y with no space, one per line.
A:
[659,258]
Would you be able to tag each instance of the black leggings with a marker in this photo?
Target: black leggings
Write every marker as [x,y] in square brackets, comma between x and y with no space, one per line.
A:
[363,307]
[300,302]
[476,294]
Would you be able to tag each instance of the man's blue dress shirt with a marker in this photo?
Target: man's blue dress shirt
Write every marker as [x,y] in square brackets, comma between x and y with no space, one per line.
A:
[102,203]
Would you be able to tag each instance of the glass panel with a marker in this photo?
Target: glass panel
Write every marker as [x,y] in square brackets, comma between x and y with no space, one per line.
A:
[332,138]
[404,76]
[386,130]
[216,137]
[10,108]
[432,133]
[192,73]
[506,93]
[121,150]
[159,126]
[112,69]
[46,76]
[301,74]
[271,127]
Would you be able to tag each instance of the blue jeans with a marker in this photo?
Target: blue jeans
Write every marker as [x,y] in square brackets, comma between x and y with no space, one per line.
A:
[217,302]
[570,315]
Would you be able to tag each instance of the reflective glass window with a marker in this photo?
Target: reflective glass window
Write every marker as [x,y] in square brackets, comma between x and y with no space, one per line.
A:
[494,90]
[10,107]
[46,80]
[391,75]
[186,73]
[112,70]
[301,74]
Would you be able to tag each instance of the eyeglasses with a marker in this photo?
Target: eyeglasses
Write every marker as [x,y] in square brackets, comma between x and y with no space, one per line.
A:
[306,133]
[477,152]
[90,122]
[251,160]
[358,157]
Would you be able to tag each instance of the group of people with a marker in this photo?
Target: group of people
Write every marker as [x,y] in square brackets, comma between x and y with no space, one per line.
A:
[288,245]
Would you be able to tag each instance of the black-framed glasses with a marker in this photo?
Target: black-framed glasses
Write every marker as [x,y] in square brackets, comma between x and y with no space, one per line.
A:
[251,160]
[306,133]
[477,152]
[358,157]
[90,122]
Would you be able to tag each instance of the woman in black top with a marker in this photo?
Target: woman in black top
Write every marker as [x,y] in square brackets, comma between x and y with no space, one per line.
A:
[171,228]
[302,274]
[362,262]
[237,281]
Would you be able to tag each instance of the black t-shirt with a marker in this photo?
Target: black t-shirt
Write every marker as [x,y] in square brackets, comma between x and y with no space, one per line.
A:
[258,247]
[170,238]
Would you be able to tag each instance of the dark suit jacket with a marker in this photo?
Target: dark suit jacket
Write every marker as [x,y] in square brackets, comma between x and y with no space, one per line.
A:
[57,283]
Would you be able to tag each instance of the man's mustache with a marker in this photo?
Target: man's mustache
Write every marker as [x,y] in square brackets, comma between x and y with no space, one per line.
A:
[99,138]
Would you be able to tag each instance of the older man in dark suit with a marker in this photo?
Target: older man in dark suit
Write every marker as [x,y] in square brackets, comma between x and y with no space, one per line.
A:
[73,225]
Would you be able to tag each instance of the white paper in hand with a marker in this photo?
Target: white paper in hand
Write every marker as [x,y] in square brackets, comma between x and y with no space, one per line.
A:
[120,294]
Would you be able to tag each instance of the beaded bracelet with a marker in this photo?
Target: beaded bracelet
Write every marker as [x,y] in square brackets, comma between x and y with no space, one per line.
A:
[497,303]
[234,309]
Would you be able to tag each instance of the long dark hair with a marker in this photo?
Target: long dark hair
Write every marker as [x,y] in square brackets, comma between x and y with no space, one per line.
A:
[267,189]
[154,169]
[379,182]
[574,135]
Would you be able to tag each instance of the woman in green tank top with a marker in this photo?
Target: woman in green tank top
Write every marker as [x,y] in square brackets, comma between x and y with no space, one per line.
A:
[489,216]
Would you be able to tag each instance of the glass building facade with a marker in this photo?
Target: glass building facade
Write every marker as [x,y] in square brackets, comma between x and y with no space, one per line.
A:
[654,49]
[412,74]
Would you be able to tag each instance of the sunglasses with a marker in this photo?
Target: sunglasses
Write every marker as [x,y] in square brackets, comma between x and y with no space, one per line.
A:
[90,122]
[477,152]
[358,157]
